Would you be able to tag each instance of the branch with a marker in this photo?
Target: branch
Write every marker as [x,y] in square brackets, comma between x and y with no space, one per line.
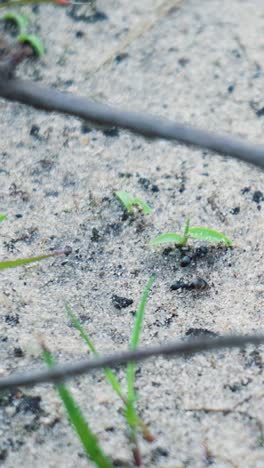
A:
[50,99]
[177,349]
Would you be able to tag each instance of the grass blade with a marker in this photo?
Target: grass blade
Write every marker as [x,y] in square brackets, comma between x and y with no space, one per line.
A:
[2,217]
[75,415]
[26,261]
[167,238]
[109,375]
[140,313]
[131,414]
[136,335]
[209,235]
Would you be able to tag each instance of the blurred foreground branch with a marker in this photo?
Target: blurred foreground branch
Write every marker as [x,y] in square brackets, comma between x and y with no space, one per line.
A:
[177,349]
[50,99]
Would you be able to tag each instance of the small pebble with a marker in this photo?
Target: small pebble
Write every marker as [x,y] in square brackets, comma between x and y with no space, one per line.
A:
[121,302]
[258,196]
[235,210]
[95,235]
[185,261]
[34,131]
[18,352]
[201,251]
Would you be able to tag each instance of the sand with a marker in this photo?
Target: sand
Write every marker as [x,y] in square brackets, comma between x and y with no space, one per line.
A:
[197,62]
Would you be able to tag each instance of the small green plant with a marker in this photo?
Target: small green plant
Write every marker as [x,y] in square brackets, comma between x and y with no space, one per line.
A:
[131,414]
[130,202]
[199,233]
[21,24]
[129,400]
[34,42]
[19,21]
[88,439]
[25,261]
[2,217]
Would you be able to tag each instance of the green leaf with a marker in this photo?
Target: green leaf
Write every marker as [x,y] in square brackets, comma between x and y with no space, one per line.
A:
[125,199]
[168,238]
[140,313]
[209,235]
[131,397]
[143,205]
[87,437]
[34,42]
[2,217]
[130,411]
[26,261]
[110,376]
[20,21]
[128,202]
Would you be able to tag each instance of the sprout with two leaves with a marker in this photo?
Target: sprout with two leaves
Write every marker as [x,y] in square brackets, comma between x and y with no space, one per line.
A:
[197,233]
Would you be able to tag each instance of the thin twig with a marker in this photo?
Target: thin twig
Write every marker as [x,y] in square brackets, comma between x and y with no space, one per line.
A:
[177,349]
[50,99]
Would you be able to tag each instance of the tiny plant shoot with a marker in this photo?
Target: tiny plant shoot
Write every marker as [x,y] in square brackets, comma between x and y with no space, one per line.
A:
[19,21]
[34,42]
[21,24]
[2,217]
[88,439]
[131,414]
[199,233]
[128,202]
[25,261]
[109,374]
[129,400]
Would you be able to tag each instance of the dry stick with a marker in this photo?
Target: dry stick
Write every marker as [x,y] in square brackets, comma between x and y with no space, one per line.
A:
[50,99]
[64,371]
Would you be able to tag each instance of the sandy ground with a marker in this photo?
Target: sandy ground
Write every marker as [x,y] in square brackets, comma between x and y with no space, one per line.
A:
[199,62]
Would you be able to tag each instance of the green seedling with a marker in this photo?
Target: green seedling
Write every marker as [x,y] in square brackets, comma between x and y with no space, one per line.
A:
[25,261]
[129,202]
[19,21]
[2,217]
[88,439]
[109,375]
[130,411]
[131,414]
[34,42]
[199,233]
